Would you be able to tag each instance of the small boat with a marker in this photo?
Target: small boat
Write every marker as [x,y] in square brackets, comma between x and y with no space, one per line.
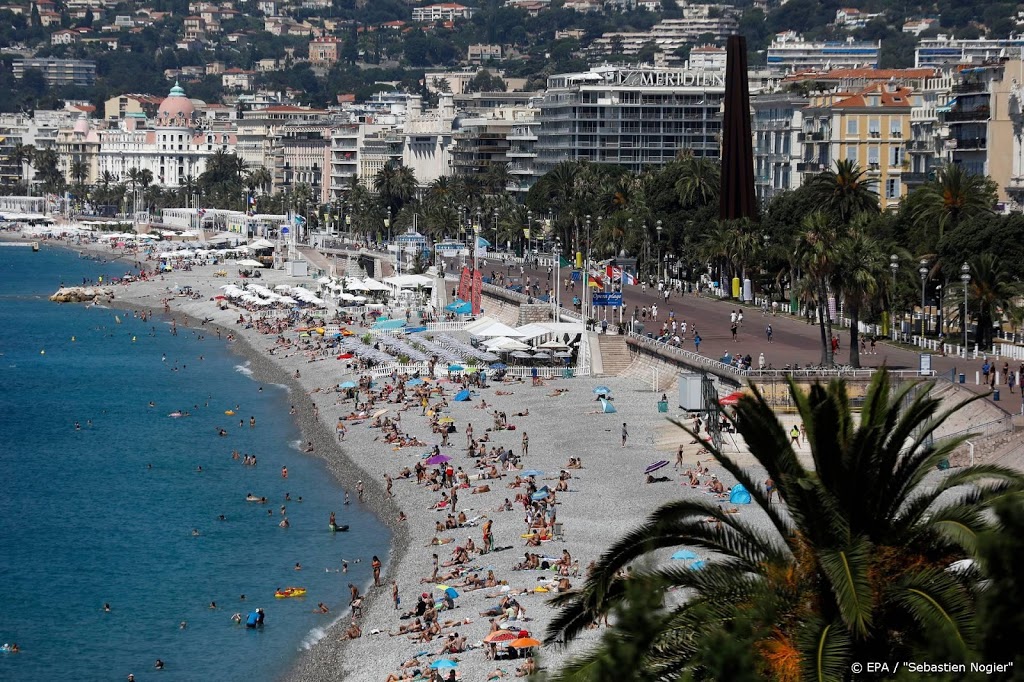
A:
[290,592]
[335,528]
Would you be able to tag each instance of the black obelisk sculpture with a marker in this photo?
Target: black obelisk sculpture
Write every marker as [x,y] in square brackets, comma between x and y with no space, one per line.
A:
[737,198]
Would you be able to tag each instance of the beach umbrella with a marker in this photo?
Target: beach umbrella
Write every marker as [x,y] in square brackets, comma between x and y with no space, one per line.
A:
[462,396]
[697,565]
[654,467]
[414,382]
[455,368]
[499,365]
[451,592]
[347,384]
[524,643]
[379,413]
[443,663]
[540,494]
[607,407]
[446,420]
[541,356]
[684,555]
[500,636]
[602,390]
[438,459]
[731,399]
[532,472]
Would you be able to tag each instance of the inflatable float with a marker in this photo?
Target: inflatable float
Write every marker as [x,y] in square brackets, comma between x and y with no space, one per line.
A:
[290,592]
[335,528]
[230,413]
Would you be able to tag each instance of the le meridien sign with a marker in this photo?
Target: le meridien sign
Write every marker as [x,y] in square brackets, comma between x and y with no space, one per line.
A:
[665,78]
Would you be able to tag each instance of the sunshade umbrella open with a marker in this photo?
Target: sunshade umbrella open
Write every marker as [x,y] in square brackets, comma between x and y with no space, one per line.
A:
[500,636]
[602,390]
[684,555]
[443,663]
[654,467]
[532,472]
[524,643]
[438,459]
[347,384]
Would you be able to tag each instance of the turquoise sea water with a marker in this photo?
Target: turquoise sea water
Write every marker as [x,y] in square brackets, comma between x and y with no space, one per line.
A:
[105,514]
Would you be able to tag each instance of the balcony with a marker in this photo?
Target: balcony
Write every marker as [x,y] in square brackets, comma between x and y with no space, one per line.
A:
[818,136]
[967,88]
[913,178]
[979,114]
[920,146]
[809,167]
[969,143]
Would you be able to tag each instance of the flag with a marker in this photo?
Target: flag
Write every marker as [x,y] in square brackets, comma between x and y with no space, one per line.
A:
[526,232]
[612,272]
[628,278]
[563,263]
[595,281]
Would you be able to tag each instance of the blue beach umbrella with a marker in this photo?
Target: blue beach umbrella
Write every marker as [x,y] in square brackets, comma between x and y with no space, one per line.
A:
[347,384]
[684,555]
[443,663]
[462,396]
[602,390]
[540,494]
[532,472]
[697,565]
[499,365]
[452,592]
[414,382]
[455,368]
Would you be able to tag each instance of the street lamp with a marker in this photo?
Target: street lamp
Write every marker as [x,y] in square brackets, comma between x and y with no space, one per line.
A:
[894,265]
[529,231]
[657,228]
[938,312]
[965,277]
[923,270]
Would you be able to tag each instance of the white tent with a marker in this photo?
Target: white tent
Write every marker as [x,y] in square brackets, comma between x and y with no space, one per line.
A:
[498,329]
[261,244]
[249,263]
[409,281]
[353,284]
[371,284]
[504,343]
[482,323]
[539,329]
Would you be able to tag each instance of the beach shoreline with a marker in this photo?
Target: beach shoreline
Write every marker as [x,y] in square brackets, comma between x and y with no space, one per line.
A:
[345,470]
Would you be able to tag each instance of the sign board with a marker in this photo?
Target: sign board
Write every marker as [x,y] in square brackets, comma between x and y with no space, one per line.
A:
[925,368]
[611,300]
[285,230]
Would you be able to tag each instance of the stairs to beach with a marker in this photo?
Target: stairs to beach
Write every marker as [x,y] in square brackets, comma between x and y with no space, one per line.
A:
[615,357]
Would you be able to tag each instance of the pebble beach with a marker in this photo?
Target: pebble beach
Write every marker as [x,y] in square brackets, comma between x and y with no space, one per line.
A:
[607,497]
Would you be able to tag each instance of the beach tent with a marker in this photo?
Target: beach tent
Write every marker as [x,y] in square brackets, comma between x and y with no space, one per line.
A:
[462,396]
[540,494]
[739,495]
[480,323]
[261,244]
[497,329]
[607,407]
[503,343]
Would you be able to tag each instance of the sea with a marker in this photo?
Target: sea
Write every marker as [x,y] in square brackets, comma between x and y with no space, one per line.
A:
[124,508]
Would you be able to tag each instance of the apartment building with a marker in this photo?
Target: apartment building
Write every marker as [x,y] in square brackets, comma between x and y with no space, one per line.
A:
[59,72]
[794,54]
[630,116]
[944,50]
[777,127]
[445,11]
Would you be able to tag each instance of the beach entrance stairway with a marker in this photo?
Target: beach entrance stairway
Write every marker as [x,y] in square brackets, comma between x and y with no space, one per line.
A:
[615,357]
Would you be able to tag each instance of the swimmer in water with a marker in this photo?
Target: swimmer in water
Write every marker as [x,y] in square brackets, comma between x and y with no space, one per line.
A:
[152,404]
[195,532]
[298,566]
[106,608]
[213,605]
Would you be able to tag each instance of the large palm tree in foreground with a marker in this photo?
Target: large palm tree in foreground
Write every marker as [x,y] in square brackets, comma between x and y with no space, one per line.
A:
[850,566]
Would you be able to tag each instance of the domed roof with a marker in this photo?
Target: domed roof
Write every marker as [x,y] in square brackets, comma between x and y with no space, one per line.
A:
[176,107]
[82,124]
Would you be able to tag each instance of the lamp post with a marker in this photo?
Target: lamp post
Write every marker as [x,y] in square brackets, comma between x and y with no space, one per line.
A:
[894,266]
[554,285]
[938,311]
[965,277]
[586,275]
[657,228]
[923,271]
[495,235]
[529,232]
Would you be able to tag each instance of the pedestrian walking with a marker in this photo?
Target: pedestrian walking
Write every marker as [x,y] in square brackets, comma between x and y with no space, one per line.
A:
[625,434]
[760,362]
[696,340]
[733,329]
[794,436]
[768,332]
[679,458]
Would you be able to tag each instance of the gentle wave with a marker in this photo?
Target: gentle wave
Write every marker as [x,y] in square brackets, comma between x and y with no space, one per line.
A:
[316,634]
[244,369]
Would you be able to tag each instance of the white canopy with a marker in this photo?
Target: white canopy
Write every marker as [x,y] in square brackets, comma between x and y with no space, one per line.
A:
[498,329]
[505,343]
[353,284]
[370,284]
[409,281]
[249,263]
[538,329]
[261,244]
[482,323]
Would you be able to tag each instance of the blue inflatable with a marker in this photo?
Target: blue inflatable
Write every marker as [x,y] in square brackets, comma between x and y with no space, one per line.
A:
[739,495]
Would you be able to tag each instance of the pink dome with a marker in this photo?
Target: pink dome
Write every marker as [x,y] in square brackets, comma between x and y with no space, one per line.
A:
[176,107]
[82,125]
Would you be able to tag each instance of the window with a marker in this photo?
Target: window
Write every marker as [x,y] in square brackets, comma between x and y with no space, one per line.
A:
[895,127]
[892,188]
[851,152]
[875,127]
[895,156]
[873,156]
[851,126]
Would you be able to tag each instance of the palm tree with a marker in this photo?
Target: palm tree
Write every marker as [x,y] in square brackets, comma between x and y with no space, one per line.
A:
[852,565]
[134,177]
[993,292]
[845,192]
[258,178]
[79,171]
[859,277]
[954,195]
[700,181]
[23,155]
[498,177]
[396,186]
[816,256]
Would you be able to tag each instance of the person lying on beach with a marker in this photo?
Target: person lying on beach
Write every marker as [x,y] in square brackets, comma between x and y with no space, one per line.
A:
[433,630]
[480,489]
[526,669]
[557,392]
[404,676]
[503,393]
[658,479]
[439,541]
[415,626]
